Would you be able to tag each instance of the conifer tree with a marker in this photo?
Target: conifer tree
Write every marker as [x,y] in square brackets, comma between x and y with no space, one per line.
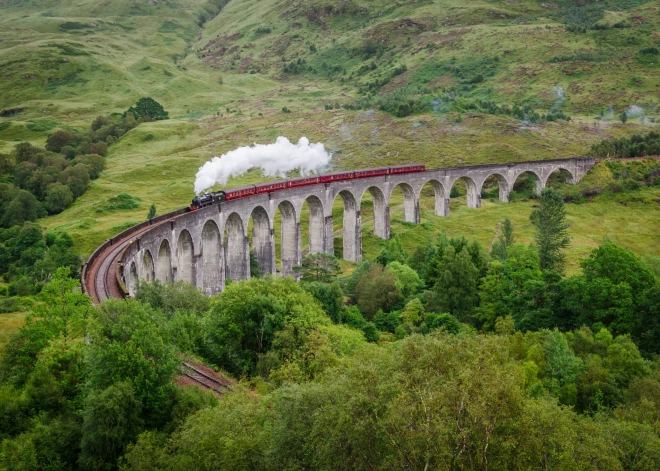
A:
[551,231]
[504,241]
[457,283]
[152,212]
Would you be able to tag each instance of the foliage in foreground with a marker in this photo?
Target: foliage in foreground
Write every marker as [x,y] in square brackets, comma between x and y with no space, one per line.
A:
[324,398]
[28,258]
[410,405]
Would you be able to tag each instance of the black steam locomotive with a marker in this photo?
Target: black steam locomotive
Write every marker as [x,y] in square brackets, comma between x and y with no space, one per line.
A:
[207,199]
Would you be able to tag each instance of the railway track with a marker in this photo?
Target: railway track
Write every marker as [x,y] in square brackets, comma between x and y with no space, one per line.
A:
[103,273]
[101,284]
[216,383]
[99,277]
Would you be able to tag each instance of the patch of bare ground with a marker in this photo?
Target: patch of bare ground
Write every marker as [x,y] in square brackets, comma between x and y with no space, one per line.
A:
[398,31]
[215,50]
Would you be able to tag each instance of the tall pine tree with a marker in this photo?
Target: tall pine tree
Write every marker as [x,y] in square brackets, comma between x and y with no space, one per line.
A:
[504,241]
[551,231]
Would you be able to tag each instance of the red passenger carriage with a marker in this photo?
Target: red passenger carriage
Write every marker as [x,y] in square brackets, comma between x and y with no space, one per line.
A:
[272,186]
[406,169]
[372,172]
[334,177]
[240,192]
[236,193]
[303,181]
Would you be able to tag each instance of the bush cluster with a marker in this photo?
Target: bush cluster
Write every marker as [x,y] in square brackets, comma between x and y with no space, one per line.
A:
[28,257]
[415,99]
[42,182]
[612,177]
[47,181]
[523,113]
[634,146]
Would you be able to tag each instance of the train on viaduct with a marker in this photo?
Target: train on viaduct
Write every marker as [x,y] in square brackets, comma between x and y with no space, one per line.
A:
[210,245]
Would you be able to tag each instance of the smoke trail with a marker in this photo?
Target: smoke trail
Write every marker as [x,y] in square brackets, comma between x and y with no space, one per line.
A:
[636,111]
[272,159]
[560,97]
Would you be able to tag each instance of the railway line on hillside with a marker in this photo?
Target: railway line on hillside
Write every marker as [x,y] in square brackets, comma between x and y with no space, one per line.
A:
[100,278]
[103,276]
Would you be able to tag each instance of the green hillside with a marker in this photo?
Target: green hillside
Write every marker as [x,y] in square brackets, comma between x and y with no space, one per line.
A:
[521,335]
[378,82]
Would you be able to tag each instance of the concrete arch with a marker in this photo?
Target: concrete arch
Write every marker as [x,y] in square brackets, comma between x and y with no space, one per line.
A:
[441,197]
[237,253]
[290,244]
[164,262]
[540,183]
[473,191]
[381,212]
[263,243]
[352,227]
[212,259]
[502,182]
[185,257]
[316,224]
[148,267]
[132,279]
[571,181]
[410,202]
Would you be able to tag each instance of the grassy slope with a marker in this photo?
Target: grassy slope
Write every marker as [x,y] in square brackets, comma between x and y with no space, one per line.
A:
[9,324]
[65,77]
[632,220]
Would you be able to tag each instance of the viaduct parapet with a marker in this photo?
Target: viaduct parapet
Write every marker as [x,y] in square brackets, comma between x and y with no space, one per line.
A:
[208,246]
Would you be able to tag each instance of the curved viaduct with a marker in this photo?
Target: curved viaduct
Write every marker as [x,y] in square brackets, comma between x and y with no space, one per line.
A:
[210,245]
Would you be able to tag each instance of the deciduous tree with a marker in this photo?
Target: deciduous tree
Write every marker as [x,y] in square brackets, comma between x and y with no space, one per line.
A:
[376,289]
[320,266]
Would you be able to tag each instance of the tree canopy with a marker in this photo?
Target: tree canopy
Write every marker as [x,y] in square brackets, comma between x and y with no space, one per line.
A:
[148,109]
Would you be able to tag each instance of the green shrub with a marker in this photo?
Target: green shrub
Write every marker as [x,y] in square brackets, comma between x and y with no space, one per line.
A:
[122,201]
[147,109]
[581,57]
[72,25]
[635,146]
[261,30]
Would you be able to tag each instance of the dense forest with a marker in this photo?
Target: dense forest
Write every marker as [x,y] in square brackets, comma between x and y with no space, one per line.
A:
[451,357]
[35,182]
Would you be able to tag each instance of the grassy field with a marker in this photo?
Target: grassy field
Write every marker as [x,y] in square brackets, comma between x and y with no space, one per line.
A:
[632,220]
[10,323]
[220,72]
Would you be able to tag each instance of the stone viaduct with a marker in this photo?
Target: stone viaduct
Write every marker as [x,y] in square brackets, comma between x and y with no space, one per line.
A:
[210,245]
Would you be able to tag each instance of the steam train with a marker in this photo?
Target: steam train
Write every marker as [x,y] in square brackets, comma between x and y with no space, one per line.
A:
[208,199]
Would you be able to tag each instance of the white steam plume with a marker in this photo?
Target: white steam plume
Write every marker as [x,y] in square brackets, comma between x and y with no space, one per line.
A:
[636,112]
[272,159]
[558,92]
[560,97]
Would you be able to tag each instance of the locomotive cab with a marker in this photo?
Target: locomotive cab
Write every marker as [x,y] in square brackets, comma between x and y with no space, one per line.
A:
[219,197]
